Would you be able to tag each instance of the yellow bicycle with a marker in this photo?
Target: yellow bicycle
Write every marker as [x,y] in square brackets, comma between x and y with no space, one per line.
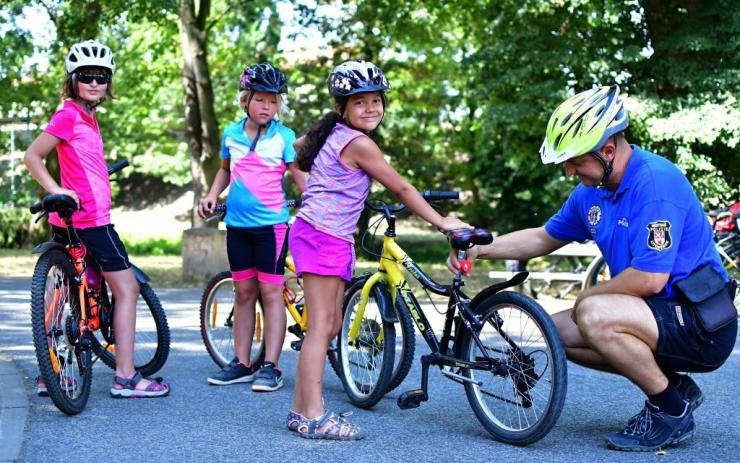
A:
[501,345]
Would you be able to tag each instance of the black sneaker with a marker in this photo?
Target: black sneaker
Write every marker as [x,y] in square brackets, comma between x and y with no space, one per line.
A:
[689,391]
[234,372]
[268,378]
[653,430]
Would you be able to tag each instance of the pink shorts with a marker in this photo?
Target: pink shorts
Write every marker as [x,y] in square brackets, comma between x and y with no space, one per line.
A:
[320,253]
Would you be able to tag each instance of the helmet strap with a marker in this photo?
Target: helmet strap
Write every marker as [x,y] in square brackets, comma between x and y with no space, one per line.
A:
[608,169]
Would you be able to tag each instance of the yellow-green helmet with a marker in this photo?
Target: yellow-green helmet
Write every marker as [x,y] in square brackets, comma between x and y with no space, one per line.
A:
[582,123]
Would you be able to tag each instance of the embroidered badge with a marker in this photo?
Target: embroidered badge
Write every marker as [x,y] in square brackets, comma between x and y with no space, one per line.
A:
[594,215]
[679,315]
[659,236]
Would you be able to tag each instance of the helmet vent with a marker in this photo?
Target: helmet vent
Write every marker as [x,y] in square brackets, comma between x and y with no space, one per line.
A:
[565,120]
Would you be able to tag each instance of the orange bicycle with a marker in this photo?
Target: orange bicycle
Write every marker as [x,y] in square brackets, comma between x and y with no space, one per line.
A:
[72,314]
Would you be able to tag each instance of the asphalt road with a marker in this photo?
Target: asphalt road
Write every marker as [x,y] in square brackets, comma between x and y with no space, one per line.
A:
[198,422]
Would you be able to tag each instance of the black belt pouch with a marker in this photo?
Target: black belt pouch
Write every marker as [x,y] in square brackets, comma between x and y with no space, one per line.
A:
[711,297]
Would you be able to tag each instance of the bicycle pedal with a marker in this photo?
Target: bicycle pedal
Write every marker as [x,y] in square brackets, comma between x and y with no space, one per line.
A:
[296,345]
[295,330]
[411,399]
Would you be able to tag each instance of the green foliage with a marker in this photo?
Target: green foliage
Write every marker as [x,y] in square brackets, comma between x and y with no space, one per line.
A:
[15,227]
[153,247]
[474,83]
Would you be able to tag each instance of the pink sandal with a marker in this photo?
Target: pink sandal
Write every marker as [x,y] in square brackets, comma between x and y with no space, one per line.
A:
[157,387]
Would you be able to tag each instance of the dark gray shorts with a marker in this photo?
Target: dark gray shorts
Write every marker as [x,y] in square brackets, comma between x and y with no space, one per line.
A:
[683,345]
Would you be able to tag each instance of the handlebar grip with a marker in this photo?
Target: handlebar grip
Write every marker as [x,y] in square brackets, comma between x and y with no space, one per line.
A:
[38,207]
[436,195]
[117,166]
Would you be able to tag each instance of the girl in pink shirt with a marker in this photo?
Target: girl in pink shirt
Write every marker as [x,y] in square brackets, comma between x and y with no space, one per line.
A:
[73,130]
[342,160]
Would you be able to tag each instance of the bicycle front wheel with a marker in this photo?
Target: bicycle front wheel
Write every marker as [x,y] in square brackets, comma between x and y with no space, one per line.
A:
[152,341]
[366,359]
[217,322]
[518,392]
[65,363]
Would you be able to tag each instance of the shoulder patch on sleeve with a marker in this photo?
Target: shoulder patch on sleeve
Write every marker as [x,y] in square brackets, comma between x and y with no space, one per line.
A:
[659,235]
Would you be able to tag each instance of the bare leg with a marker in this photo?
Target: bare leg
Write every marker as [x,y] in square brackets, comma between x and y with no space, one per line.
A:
[273,307]
[125,290]
[618,332]
[323,300]
[244,315]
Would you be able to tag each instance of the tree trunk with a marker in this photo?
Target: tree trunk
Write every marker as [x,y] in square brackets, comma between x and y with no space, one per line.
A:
[201,131]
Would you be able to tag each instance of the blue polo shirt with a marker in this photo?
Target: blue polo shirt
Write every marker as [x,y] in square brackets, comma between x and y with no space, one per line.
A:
[654,222]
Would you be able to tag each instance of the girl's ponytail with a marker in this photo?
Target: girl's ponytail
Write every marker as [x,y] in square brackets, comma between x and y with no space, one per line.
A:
[315,139]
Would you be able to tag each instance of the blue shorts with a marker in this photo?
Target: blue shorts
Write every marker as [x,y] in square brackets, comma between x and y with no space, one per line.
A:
[683,345]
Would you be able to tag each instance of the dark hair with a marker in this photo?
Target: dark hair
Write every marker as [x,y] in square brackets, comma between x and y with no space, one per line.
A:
[315,139]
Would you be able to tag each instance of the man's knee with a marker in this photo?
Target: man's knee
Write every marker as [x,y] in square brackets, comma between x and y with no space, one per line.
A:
[594,319]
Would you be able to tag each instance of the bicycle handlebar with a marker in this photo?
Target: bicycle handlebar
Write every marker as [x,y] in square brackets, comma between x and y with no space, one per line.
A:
[428,195]
[117,166]
[219,210]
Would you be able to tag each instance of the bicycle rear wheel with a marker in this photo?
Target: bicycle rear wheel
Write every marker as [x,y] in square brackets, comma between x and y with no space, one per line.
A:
[152,342]
[217,322]
[520,396]
[365,363]
[64,360]
[599,273]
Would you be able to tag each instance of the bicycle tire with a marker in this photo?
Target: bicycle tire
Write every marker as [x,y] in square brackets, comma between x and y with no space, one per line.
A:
[598,274]
[217,329]
[537,397]
[152,346]
[365,386]
[65,363]
[404,357]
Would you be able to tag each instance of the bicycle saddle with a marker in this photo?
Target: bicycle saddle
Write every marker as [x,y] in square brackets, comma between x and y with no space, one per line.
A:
[465,238]
[64,205]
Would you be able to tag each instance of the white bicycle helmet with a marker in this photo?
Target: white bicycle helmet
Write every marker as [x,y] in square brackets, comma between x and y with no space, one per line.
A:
[353,77]
[89,53]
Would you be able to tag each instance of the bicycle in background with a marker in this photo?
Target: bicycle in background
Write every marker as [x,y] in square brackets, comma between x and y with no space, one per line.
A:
[500,345]
[72,314]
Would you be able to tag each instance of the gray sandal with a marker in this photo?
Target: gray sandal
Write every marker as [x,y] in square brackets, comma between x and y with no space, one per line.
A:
[336,427]
[294,420]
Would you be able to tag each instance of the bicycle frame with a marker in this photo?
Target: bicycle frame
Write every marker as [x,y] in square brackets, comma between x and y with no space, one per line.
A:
[392,260]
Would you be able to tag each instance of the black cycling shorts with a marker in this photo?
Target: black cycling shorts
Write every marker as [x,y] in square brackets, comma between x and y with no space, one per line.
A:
[257,252]
[102,243]
[683,345]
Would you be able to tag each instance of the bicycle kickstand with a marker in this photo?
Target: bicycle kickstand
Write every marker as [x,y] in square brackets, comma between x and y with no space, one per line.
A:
[414,397]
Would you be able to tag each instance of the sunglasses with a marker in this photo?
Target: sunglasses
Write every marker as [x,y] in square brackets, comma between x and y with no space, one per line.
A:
[101,79]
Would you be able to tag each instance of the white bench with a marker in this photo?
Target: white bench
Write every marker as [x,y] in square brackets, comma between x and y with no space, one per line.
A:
[577,275]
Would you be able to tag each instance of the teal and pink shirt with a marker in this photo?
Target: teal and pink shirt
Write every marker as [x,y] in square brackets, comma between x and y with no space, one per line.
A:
[82,164]
[335,194]
[256,196]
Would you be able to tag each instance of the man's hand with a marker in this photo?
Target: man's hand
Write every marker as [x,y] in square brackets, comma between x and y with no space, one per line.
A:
[453,264]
